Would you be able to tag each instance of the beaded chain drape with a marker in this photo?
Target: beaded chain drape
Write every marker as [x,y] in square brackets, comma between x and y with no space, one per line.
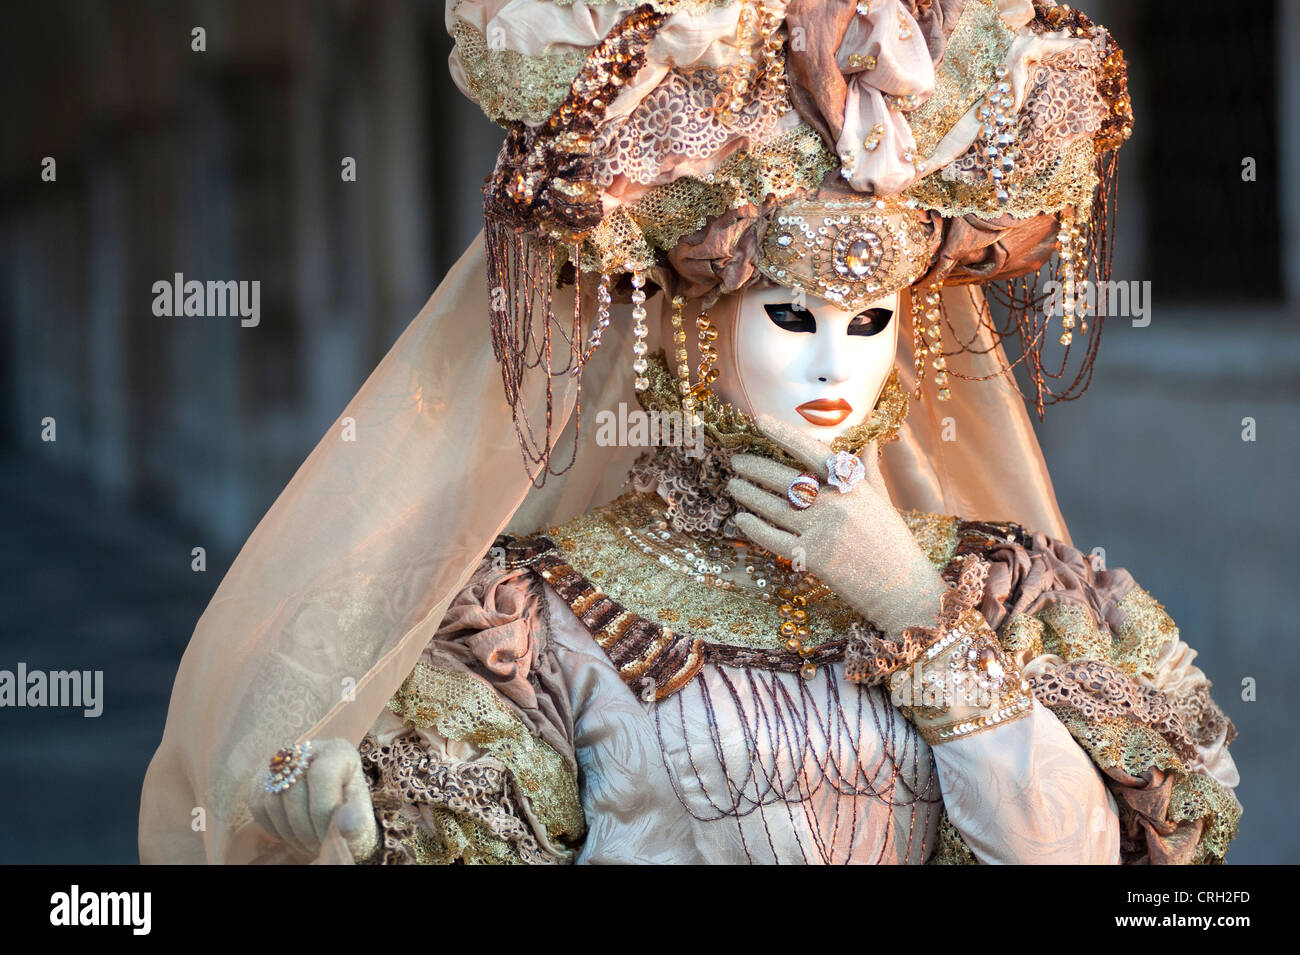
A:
[803,743]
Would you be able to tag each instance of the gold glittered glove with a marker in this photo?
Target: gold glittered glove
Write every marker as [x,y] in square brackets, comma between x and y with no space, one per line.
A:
[843,529]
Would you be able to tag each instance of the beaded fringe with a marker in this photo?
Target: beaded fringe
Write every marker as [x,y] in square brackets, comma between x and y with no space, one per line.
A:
[1027,315]
[522,275]
[799,749]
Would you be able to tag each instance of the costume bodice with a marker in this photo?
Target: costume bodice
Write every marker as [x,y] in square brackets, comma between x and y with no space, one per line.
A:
[697,738]
[743,765]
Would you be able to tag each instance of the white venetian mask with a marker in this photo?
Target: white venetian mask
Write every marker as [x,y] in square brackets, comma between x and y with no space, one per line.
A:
[819,368]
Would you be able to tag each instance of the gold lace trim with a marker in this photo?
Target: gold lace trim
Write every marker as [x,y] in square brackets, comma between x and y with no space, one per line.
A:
[510,86]
[1144,633]
[460,839]
[463,707]
[1200,797]
[1069,180]
[1120,742]
[937,534]
[978,43]
[606,547]
[792,162]
[1071,633]
[950,848]
[1068,630]
[1136,749]
[1022,637]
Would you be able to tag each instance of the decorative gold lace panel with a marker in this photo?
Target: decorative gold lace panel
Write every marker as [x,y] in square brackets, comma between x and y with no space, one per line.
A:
[510,86]
[1069,631]
[1022,637]
[438,811]
[978,43]
[789,163]
[1137,749]
[1199,797]
[621,549]
[1068,180]
[461,839]
[463,707]
[949,847]
[1145,631]
[936,534]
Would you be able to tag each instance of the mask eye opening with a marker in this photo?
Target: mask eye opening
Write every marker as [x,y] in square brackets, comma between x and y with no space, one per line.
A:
[873,321]
[788,318]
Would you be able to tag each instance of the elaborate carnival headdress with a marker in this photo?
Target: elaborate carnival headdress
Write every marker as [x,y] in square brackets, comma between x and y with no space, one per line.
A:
[844,148]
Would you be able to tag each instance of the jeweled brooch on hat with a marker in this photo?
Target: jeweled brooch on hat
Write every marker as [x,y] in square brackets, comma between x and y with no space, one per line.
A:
[848,251]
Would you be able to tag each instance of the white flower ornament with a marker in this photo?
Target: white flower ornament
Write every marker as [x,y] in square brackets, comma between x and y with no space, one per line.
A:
[845,471]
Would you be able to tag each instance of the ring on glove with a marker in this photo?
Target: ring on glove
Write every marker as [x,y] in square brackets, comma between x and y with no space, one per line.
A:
[845,471]
[287,765]
[802,491]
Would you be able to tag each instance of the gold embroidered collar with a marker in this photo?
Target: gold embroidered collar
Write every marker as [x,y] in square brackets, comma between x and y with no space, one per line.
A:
[630,552]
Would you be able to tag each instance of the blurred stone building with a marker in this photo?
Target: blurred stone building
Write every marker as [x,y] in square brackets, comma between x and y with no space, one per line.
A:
[226,164]
[222,164]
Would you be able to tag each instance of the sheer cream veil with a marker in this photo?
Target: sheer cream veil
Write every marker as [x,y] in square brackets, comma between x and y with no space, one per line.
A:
[345,579]
[975,455]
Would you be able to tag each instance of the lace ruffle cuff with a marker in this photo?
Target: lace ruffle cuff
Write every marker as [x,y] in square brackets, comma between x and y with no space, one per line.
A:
[962,684]
[952,679]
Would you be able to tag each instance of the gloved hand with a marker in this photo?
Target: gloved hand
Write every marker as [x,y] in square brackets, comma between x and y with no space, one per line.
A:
[855,542]
[300,815]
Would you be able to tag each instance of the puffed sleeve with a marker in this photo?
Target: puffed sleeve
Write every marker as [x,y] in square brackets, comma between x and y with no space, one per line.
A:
[1105,658]
[1017,788]
[473,761]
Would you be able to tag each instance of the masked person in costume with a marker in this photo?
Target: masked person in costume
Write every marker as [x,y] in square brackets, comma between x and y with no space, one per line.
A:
[739,605]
